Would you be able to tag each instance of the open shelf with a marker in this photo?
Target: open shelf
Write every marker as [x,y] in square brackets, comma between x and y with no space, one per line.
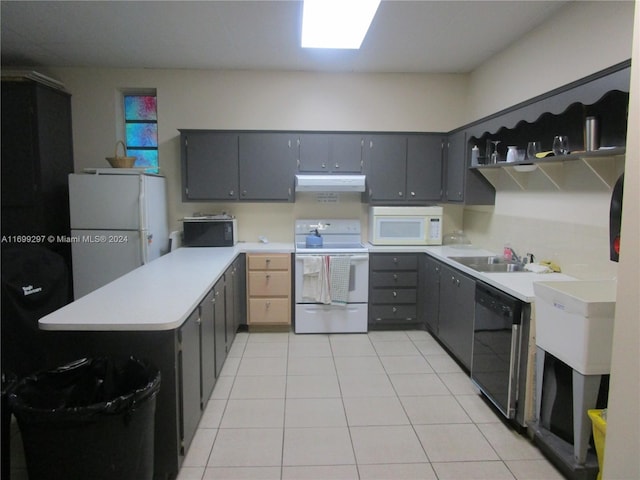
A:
[594,170]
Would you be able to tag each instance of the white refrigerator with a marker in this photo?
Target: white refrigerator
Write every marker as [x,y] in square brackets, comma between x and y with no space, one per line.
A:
[118,223]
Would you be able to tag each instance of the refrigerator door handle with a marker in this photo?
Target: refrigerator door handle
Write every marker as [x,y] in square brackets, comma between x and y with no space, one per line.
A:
[144,240]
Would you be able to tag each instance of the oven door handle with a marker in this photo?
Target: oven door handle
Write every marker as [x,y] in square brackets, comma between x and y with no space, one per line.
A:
[513,370]
[358,258]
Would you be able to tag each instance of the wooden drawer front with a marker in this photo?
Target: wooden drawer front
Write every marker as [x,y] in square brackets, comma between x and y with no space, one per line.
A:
[269,262]
[393,296]
[269,284]
[269,310]
[394,279]
[395,313]
[393,262]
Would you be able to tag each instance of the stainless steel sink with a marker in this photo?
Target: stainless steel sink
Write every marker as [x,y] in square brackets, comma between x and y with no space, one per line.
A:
[490,264]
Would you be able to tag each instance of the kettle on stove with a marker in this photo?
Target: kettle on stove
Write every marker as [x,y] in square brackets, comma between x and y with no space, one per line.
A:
[314,239]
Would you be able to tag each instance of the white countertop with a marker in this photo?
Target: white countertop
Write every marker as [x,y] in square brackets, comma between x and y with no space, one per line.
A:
[517,284]
[162,294]
[157,296]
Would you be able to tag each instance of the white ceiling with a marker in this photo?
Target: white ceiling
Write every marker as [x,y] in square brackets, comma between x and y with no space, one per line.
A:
[406,36]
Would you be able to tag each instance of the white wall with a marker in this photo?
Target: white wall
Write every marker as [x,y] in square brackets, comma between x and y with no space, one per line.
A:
[258,100]
[582,38]
[623,422]
[571,229]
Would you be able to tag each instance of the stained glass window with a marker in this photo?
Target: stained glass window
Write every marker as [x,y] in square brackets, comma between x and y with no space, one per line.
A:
[141,129]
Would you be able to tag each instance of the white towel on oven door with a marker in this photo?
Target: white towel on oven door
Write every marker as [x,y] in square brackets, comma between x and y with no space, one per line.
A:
[315,279]
[339,270]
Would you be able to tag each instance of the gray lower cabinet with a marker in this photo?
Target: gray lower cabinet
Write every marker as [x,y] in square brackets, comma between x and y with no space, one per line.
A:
[403,168]
[220,327]
[456,312]
[393,284]
[330,152]
[207,345]
[189,336]
[429,298]
[267,165]
[209,163]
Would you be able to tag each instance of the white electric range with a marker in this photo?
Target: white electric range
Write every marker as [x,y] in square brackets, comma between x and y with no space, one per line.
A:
[331,280]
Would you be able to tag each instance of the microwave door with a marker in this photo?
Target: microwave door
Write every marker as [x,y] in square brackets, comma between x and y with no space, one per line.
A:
[401,230]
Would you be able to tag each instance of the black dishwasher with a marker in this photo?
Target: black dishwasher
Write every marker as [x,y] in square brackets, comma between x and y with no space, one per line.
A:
[497,336]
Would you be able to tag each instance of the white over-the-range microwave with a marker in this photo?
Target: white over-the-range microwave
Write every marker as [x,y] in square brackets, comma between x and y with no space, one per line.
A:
[405,225]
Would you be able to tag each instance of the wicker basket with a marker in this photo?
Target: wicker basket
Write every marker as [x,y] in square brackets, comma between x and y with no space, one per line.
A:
[121,162]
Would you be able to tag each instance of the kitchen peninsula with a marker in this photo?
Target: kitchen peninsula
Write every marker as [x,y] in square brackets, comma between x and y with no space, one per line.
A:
[158,312]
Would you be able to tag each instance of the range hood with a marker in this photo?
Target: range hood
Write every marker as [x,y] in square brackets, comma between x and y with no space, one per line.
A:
[330,183]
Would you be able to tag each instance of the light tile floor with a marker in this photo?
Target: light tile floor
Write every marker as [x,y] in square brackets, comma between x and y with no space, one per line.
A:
[382,405]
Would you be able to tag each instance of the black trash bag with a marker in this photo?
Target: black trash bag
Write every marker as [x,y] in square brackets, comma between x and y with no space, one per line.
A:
[89,419]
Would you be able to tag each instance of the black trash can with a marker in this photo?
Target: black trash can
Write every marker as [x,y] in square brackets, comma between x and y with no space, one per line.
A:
[90,419]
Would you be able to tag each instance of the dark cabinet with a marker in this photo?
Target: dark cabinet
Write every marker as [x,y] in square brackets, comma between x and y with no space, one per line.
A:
[267,166]
[393,286]
[403,169]
[429,298]
[463,185]
[220,327]
[385,159]
[190,379]
[424,167]
[456,167]
[330,152]
[234,298]
[456,315]
[209,165]
[208,346]
[37,158]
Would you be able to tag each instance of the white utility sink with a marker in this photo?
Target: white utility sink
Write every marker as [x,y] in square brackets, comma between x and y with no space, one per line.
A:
[574,322]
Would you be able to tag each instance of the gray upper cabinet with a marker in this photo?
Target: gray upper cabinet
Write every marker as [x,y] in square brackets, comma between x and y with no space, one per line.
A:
[209,165]
[267,165]
[403,169]
[463,185]
[385,161]
[330,152]
[424,167]
[456,167]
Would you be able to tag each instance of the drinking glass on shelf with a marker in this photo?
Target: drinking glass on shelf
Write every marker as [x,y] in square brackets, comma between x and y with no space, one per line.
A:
[532,149]
[560,145]
[494,155]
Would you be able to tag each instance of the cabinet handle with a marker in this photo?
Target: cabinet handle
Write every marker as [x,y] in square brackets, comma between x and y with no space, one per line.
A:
[413,194]
[395,276]
[337,165]
[400,194]
[268,304]
[244,193]
[199,321]
[395,294]
[457,283]
[395,260]
[231,192]
[453,279]
[394,309]
[267,276]
[324,165]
